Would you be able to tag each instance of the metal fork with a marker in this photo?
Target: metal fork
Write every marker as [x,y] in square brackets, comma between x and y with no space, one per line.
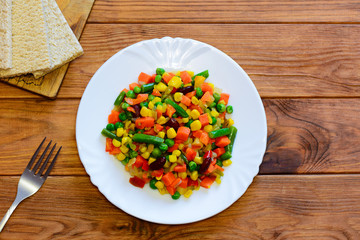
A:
[30,181]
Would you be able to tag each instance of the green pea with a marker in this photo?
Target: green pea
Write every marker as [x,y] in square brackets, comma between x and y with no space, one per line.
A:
[176,195]
[152,183]
[160,71]
[122,116]
[110,127]
[199,92]
[219,162]
[137,89]
[125,161]
[212,105]
[130,94]
[119,125]
[133,154]
[192,166]
[158,103]
[229,109]
[169,142]
[221,107]
[158,78]
[125,105]
[216,97]
[188,123]
[156,152]
[151,97]
[163,147]
[214,120]
[144,104]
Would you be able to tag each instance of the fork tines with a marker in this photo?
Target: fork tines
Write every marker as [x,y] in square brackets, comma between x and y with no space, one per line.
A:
[38,163]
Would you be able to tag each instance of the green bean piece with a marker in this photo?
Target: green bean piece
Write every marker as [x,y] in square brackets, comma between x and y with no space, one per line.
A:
[225,156]
[219,133]
[158,78]
[178,109]
[169,142]
[109,134]
[232,136]
[147,87]
[131,94]
[219,162]
[125,161]
[137,89]
[144,138]
[133,154]
[220,107]
[229,109]
[183,157]
[213,120]
[120,98]
[216,97]
[205,74]
[160,71]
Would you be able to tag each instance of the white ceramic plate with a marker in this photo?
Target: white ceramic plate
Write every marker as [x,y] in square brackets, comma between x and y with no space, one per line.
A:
[109,175]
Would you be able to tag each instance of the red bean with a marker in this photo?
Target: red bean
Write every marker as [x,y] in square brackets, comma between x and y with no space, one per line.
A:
[158,164]
[137,110]
[173,124]
[186,90]
[205,165]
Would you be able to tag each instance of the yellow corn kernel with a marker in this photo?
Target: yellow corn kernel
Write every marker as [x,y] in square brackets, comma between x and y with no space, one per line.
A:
[176,153]
[159,178]
[194,175]
[211,85]
[146,155]
[191,73]
[159,185]
[151,160]
[161,120]
[227,163]
[172,158]
[178,73]
[198,81]
[214,113]
[188,111]
[181,190]
[143,148]
[195,125]
[208,128]
[161,87]
[167,164]
[151,105]
[127,124]
[161,134]
[162,191]
[194,100]
[159,107]
[185,120]
[198,160]
[116,143]
[181,146]
[178,96]
[218,180]
[222,121]
[222,101]
[230,122]
[182,175]
[132,146]
[209,116]
[132,126]
[121,156]
[195,114]
[126,140]
[188,193]
[124,149]
[188,85]
[144,111]
[171,133]
[156,99]
[183,106]
[150,148]
[175,82]
[120,132]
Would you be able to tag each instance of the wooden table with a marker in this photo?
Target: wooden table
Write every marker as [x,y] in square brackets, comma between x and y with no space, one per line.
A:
[303,57]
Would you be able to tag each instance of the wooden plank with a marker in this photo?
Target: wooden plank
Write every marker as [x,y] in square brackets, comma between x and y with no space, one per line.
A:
[76,13]
[304,135]
[216,11]
[313,61]
[274,207]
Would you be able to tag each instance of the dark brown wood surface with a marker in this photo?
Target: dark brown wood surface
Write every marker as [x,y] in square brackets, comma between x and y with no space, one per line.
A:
[303,57]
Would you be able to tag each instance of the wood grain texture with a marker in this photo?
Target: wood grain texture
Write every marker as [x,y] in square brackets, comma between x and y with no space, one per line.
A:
[210,11]
[76,14]
[274,207]
[304,135]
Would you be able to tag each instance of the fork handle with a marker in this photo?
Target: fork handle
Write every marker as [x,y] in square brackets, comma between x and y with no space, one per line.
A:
[8,213]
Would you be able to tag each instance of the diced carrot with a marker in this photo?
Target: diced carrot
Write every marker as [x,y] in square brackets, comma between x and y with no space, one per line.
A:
[139,161]
[206,97]
[170,110]
[185,77]
[115,151]
[157,173]
[179,141]
[113,117]
[133,85]
[168,178]
[145,166]
[171,190]
[183,133]
[222,115]
[210,169]
[192,182]
[222,141]
[176,183]
[186,101]
[218,167]
[225,97]
[137,182]
[190,94]
[151,131]
[125,90]
[204,119]
[219,151]
[109,145]
[180,168]
[204,138]
[144,78]
[140,98]
[207,182]
[130,109]
[145,178]
[159,127]
[167,77]
[196,144]
[156,93]
[153,78]
[144,122]
[197,133]
[173,148]
[205,87]
[192,107]
[190,154]
[184,183]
